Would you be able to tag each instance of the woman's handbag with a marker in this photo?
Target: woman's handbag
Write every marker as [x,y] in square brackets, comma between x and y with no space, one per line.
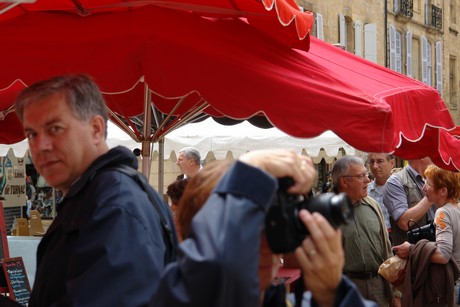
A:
[427,231]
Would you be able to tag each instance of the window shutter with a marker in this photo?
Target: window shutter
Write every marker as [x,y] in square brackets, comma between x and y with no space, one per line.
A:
[398,52]
[392,33]
[342,31]
[395,6]
[429,66]
[424,60]
[319,26]
[358,38]
[370,42]
[439,67]
[409,54]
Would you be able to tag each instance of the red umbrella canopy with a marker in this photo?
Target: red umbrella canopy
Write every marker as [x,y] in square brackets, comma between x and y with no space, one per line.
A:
[11,126]
[185,65]
[281,19]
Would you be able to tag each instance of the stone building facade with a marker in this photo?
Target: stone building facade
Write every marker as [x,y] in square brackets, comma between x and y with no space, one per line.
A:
[418,38]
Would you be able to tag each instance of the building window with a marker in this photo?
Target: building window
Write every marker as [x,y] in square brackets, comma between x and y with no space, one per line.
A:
[416,59]
[342,32]
[350,45]
[395,49]
[439,67]
[409,54]
[427,69]
[358,38]
[398,55]
[436,17]
[319,26]
[433,15]
[346,33]
[404,8]
[370,42]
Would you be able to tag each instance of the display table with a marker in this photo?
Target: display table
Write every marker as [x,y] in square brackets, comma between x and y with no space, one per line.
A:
[25,247]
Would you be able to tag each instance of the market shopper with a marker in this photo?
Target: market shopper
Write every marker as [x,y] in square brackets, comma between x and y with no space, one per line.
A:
[405,200]
[320,256]
[366,241]
[189,162]
[442,188]
[105,247]
[380,165]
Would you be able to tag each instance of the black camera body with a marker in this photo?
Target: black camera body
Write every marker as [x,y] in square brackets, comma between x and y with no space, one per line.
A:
[427,232]
[283,227]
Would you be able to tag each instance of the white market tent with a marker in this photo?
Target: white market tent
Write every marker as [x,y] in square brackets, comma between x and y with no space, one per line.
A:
[115,137]
[211,137]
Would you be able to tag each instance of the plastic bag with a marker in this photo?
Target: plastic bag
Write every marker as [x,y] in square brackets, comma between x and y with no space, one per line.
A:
[394,269]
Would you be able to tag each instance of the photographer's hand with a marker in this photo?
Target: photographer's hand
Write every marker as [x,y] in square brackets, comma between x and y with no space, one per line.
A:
[284,163]
[321,258]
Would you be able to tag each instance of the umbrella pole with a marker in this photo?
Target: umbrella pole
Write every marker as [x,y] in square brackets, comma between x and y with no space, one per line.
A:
[161,152]
[146,131]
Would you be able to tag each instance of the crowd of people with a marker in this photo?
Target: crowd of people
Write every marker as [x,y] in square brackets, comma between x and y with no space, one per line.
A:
[115,242]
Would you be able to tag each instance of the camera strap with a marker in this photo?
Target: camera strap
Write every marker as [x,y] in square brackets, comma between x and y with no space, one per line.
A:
[168,232]
[419,190]
[421,194]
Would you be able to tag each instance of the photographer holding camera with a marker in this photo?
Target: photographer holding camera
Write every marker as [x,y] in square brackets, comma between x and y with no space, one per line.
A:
[366,241]
[221,217]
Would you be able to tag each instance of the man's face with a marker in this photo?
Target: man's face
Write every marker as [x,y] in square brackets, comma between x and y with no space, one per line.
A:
[61,146]
[380,167]
[425,162]
[184,164]
[355,182]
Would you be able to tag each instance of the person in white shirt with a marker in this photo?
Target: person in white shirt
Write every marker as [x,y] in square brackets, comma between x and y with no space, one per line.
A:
[189,161]
[380,165]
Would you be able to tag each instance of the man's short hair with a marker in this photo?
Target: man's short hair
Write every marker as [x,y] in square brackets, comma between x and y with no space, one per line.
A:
[192,153]
[342,166]
[80,91]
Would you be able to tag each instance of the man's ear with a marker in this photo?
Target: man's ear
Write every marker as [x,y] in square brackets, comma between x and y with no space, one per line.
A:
[99,128]
[343,183]
[393,162]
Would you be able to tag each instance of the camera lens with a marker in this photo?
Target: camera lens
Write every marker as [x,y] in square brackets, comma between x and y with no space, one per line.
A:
[336,208]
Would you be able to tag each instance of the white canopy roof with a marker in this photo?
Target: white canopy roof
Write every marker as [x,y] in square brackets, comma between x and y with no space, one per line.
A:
[115,137]
[209,136]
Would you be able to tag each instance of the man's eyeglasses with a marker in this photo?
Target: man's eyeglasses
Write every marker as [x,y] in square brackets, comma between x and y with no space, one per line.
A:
[378,161]
[360,176]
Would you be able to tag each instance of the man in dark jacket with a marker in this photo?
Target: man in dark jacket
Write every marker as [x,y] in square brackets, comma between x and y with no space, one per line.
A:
[105,246]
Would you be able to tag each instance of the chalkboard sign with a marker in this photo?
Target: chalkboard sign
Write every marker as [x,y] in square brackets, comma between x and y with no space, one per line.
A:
[18,283]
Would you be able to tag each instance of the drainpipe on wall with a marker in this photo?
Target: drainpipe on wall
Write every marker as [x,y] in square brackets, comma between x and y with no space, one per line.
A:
[385,30]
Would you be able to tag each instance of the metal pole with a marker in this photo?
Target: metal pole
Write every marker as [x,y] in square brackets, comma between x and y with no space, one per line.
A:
[385,30]
[146,132]
[161,167]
